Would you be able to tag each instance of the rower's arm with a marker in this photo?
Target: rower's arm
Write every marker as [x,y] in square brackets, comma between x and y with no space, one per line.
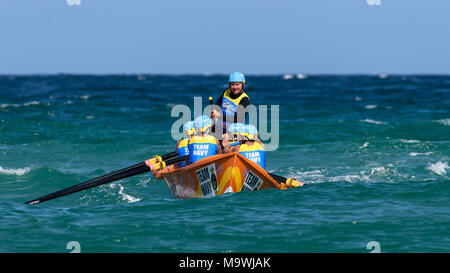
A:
[219,148]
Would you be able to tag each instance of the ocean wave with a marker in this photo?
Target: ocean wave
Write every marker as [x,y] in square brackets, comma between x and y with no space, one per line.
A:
[416,154]
[288,76]
[409,140]
[380,174]
[30,103]
[444,121]
[18,172]
[364,145]
[301,76]
[373,121]
[438,168]
[371,106]
[125,197]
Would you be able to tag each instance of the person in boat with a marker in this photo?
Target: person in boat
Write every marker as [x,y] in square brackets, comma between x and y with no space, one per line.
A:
[251,147]
[229,101]
[182,145]
[202,144]
[232,137]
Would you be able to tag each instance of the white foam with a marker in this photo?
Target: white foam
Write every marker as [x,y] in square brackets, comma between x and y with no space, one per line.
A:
[439,168]
[364,145]
[85,97]
[31,103]
[5,105]
[18,172]
[444,121]
[300,76]
[349,178]
[373,121]
[358,99]
[90,117]
[416,154]
[383,76]
[378,170]
[371,106]
[409,140]
[125,197]
[288,76]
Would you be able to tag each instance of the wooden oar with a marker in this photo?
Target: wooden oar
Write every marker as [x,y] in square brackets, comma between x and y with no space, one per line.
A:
[117,175]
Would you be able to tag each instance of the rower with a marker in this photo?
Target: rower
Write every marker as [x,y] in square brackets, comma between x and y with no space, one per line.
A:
[182,145]
[251,147]
[231,138]
[230,99]
[202,144]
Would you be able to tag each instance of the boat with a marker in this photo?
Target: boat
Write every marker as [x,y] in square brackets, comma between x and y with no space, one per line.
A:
[211,176]
[219,174]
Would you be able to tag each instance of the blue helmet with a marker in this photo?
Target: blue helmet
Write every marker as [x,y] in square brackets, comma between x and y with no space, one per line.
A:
[249,131]
[202,123]
[188,128]
[235,128]
[237,77]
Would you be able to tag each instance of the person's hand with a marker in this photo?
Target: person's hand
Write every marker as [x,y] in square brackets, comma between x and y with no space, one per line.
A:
[215,114]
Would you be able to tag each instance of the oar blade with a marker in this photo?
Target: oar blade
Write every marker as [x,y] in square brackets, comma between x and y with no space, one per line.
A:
[127,172]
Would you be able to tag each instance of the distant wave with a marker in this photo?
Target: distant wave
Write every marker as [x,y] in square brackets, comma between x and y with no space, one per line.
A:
[20,171]
[288,76]
[409,141]
[371,106]
[439,168]
[373,121]
[364,145]
[5,105]
[444,121]
[416,154]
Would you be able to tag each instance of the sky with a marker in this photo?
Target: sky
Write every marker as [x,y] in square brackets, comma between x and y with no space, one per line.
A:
[222,36]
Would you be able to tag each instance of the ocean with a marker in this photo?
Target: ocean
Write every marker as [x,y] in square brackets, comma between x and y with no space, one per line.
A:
[372,150]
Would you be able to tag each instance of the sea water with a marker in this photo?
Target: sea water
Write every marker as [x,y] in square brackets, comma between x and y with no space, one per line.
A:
[373,153]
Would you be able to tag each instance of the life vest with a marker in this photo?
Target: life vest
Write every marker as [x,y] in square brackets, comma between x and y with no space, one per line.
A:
[229,105]
[255,153]
[182,150]
[201,147]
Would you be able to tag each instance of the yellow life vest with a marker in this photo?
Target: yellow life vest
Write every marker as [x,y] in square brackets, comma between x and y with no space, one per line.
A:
[230,105]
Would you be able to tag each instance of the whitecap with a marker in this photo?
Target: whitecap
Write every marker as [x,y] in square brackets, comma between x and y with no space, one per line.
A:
[349,178]
[383,76]
[31,103]
[300,76]
[90,117]
[373,121]
[438,168]
[288,76]
[364,145]
[358,99]
[371,106]
[85,97]
[409,140]
[416,154]
[18,172]
[125,197]
[444,121]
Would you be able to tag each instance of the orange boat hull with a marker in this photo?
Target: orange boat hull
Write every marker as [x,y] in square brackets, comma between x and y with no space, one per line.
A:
[216,175]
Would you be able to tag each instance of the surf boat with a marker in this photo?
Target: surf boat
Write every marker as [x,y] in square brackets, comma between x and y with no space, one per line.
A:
[219,174]
[211,176]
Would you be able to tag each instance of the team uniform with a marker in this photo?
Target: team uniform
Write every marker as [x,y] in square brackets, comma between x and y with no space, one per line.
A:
[182,150]
[254,152]
[201,147]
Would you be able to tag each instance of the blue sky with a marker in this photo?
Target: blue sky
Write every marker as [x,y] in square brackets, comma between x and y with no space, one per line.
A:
[215,36]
